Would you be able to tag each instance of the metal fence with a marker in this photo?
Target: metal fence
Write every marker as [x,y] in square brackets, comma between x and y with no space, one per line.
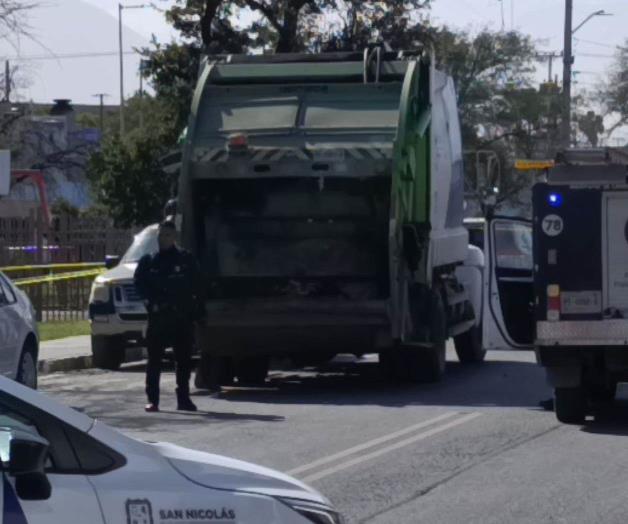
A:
[62,296]
[56,263]
[34,241]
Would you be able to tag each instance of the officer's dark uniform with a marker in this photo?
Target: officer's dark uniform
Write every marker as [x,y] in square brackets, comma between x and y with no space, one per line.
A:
[170,283]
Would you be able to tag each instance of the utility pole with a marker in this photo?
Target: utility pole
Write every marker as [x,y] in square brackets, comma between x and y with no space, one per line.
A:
[120,9]
[102,110]
[7,81]
[568,61]
[549,56]
[121,71]
[142,70]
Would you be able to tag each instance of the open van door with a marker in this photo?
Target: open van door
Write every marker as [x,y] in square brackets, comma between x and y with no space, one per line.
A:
[508,321]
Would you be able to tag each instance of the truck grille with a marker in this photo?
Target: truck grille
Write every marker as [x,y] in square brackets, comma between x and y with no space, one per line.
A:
[130,293]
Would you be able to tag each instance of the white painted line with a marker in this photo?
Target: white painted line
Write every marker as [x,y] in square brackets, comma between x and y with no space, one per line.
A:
[378,453]
[371,443]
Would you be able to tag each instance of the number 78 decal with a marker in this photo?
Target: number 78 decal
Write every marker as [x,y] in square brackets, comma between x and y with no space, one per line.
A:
[553,225]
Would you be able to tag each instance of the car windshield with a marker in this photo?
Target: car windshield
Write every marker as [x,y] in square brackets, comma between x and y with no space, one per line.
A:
[144,243]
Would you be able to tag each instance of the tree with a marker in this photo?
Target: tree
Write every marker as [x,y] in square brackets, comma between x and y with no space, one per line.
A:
[614,94]
[126,175]
[13,21]
[591,125]
[128,180]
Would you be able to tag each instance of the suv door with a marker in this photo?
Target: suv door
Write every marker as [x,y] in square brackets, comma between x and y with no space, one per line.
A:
[509,284]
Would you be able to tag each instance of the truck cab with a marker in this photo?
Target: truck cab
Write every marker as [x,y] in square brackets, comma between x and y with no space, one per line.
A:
[581,278]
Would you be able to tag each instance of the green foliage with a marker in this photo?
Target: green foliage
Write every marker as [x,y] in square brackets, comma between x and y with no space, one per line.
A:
[126,174]
[591,125]
[63,207]
[614,95]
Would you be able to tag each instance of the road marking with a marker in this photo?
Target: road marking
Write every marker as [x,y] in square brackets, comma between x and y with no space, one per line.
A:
[371,443]
[382,451]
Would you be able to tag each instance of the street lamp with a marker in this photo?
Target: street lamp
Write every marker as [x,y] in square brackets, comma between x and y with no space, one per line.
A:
[568,61]
[601,12]
[120,9]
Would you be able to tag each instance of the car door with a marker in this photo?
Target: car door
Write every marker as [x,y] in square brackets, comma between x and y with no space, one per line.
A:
[6,338]
[508,285]
[14,334]
[72,499]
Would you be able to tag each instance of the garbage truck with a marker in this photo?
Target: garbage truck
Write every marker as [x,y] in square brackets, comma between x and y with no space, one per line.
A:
[323,197]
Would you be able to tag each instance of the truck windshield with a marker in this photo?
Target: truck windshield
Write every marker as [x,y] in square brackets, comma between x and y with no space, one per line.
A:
[144,243]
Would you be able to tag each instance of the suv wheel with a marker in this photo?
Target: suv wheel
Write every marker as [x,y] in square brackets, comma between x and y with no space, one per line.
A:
[27,368]
[108,352]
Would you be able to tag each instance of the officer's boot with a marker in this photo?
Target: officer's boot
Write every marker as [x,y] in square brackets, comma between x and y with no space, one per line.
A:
[184,402]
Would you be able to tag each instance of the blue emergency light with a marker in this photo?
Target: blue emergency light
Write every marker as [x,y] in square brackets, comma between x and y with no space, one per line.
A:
[555,199]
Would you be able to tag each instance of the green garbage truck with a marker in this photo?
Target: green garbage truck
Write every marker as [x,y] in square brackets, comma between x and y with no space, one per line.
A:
[323,197]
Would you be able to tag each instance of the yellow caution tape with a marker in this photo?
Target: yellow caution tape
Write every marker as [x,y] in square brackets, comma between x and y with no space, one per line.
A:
[52,267]
[57,278]
[530,165]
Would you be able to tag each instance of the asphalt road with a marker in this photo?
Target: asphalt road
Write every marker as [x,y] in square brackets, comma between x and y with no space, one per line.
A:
[475,448]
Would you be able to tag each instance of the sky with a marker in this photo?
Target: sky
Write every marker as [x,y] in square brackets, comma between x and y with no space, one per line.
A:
[79,27]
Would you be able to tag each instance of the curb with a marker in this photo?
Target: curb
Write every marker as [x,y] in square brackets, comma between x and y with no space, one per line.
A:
[60,365]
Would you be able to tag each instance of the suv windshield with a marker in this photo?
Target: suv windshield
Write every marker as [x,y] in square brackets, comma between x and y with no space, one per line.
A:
[144,243]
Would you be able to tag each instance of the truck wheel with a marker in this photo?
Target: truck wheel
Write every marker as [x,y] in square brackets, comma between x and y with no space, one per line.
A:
[570,405]
[603,393]
[427,364]
[469,347]
[252,371]
[213,372]
[108,352]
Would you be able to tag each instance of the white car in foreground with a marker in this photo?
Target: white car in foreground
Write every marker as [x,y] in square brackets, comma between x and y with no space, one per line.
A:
[19,340]
[60,466]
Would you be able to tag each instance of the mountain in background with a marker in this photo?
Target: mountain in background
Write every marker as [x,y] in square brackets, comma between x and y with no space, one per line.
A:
[73,27]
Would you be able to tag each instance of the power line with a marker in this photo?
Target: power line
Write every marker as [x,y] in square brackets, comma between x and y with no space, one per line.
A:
[593,42]
[67,56]
[595,55]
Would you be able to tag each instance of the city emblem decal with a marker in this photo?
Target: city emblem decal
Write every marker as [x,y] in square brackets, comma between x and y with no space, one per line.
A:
[139,511]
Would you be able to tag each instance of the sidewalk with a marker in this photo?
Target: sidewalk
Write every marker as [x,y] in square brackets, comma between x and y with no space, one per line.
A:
[73,353]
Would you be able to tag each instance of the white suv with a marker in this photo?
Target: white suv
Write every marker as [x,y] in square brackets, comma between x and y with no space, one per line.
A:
[117,314]
[19,340]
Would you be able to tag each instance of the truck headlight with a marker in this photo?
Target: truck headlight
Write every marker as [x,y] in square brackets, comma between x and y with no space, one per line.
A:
[100,292]
[315,513]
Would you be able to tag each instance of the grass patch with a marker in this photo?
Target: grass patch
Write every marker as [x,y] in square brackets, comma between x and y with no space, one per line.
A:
[55,330]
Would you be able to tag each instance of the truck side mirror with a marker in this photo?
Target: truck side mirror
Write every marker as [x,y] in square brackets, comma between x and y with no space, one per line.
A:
[111,261]
[27,462]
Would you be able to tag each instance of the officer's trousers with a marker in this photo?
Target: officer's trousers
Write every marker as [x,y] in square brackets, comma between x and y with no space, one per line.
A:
[164,332]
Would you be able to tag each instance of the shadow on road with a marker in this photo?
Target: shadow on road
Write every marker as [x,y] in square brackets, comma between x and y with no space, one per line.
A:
[609,419]
[493,383]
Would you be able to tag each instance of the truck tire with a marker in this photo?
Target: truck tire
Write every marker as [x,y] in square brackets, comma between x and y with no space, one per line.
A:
[108,352]
[469,347]
[570,405]
[603,393]
[252,371]
[427,364]
[213,372]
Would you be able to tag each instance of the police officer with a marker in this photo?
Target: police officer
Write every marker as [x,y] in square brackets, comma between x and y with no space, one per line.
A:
[170,283]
